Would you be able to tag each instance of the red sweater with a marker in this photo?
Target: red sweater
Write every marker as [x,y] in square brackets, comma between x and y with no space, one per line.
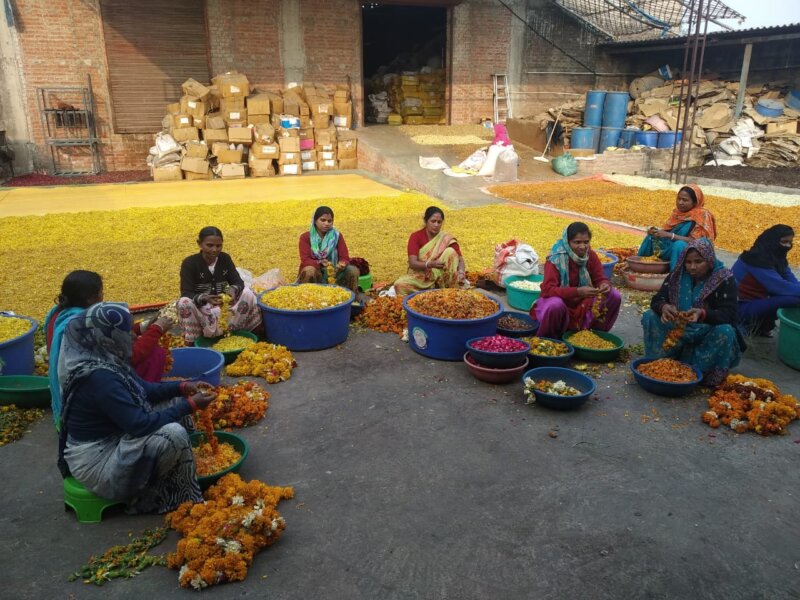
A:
[145,343]
[551,286]
[307,258]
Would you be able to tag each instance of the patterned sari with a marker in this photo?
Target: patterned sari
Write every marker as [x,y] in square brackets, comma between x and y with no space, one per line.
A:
[437,248]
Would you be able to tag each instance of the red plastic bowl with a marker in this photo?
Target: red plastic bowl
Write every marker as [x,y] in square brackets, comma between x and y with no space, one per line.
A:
[490,375]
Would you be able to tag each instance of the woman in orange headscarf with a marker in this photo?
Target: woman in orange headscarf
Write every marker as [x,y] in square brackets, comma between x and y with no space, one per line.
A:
[688,221]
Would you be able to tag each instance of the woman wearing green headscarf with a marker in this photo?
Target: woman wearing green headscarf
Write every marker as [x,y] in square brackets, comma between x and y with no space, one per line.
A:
[324,257]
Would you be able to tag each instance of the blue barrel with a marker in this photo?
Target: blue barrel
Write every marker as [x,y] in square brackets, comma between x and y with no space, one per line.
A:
[16,355]
[445,339]
[647,138]
[196,364]
[615,109]
[668,139]
[793,99]
[593,113]
[306,330]
[609,136]
[584,138]
[628,137]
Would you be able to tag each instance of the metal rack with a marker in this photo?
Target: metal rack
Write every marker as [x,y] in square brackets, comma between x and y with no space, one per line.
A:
[68,125]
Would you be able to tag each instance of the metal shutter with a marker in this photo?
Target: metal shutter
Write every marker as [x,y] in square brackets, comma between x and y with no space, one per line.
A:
[152,46]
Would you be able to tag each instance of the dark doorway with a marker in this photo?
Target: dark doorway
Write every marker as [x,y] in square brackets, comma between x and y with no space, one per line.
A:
[401,40]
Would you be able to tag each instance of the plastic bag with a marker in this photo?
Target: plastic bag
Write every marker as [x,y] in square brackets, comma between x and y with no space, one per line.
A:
[487,170]
[246,276]
[506,168]
[474,161]
[166,143]
[514,258]
[565,164]
[267,281]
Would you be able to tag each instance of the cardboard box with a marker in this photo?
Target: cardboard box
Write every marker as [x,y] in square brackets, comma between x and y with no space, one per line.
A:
[213,99]
[265,151]
[192,106]
[291,105]
[341,95]
[264,133]
[196,150]
[325,155]
[348,163]
[310,165]
[306,144]
[234,104]
[186,134]
[275,121]
[194,88]
[258,119]
[788,127]
[320,106]
[305,121]
[342,114]
[199,122]
[281,133]
[260,167]
[192,176]
[215,121]
[326,148]
[182,120]
[327,165]
[232,84]
[231,171]
[289,144]
[215,135]
[240,135]
[236,117]
[174,108]
[289,158]
[218,147]
[293,169]
[167,173]
[308,155]
[194,165]
[258,105]
[306,134]
[325,137]
[229,156]
[275,101]
[321,121]
[347,146]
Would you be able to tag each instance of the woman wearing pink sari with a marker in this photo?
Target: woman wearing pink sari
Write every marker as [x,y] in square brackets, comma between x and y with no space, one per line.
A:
[434,258]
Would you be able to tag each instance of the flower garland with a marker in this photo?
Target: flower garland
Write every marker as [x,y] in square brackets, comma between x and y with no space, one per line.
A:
[123,561]
[270,361]
[222,535]
[238,405]
[224,313]
[751,404]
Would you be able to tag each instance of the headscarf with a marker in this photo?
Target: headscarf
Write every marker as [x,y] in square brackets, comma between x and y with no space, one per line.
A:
[680,281]
[561,254]
[705,226]
[767,252]
[324,248]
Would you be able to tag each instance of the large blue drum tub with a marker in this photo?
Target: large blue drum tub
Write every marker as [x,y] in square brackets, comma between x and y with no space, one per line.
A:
[584,138]
[668,139]
[196,364]
[615,109]
[647,138]
[628,137]
[593,113]
[445,339]
[609,136]
[306,330]
[16,355]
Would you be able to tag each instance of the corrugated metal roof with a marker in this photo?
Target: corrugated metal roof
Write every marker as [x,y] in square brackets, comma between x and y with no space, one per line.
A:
[763,31]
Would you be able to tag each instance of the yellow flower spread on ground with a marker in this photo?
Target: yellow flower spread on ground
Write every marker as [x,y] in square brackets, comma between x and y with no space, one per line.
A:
[259,237]
[308,296]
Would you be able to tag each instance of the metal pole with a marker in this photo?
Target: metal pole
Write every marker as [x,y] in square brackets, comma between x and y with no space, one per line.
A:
[689,86]
[748,51]
[684,139]
[683,81]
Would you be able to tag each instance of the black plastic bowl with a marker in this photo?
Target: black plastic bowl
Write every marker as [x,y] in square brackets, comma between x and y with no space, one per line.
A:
[664,388]
[579,381]
[533,324]
[540,360]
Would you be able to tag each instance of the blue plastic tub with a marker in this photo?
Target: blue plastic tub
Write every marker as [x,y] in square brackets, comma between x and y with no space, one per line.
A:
[306,330]
[196,364]
[17,354]
[628,137]
[609,136]
[593,113]
[608,268]
[769,108]
[615,109]
[445,339]
[663,388]
[647,138]
[579,381]
[668,139]
[584,138]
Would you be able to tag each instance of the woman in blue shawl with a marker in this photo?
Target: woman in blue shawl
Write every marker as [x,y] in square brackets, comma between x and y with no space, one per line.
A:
[698,304]
[324,257]
[122,437]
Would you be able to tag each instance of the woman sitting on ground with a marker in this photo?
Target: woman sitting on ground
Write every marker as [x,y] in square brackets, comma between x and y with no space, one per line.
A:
[573,281]
[688,221]
[120,436]
[434,257]
[766,283]
[148,358]
[205,276]
[324,257]
[79,290]
[693,317]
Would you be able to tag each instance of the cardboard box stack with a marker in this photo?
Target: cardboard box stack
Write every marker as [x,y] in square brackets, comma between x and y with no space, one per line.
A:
[414,97]
[226,131]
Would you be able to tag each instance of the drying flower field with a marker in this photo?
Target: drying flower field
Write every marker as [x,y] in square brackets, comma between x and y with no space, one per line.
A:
[138,251]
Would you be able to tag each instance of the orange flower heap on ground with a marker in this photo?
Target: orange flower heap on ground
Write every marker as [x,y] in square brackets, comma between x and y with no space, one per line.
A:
[221,536]
[238,405]
[384,314]
[743,404]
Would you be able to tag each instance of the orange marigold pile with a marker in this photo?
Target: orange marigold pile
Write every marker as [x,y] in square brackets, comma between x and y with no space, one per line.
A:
[751,404]
[221,536]
[239,405]
[384,314]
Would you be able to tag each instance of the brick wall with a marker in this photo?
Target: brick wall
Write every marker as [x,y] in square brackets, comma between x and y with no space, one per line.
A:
[647,162]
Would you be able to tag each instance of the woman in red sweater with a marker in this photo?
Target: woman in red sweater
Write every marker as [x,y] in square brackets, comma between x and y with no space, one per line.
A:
[324,257]
[573,281]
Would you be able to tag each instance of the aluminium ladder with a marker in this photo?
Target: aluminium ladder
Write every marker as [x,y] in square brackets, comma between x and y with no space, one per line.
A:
[502,101]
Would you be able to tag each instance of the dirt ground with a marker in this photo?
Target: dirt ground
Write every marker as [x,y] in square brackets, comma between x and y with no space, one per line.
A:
[782,176]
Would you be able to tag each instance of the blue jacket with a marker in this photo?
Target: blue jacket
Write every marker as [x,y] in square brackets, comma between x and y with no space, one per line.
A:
[756,282]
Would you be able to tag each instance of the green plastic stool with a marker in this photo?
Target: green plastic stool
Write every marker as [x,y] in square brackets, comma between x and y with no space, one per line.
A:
[88,507]
[365,282]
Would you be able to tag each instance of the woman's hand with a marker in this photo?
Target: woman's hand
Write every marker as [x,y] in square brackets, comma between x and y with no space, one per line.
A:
[435,264]
[693,315]
[234,292]
[662,233]
[668,313]
[214,299]
[461,276]
[203,398]
[587,291]
[604,287]
[164,323]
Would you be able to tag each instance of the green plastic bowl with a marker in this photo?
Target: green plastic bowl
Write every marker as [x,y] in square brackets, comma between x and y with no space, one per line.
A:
[789,336]
[365,282]
[522,299]
[230,355]
[25,391]
[238,442]
[592,355]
